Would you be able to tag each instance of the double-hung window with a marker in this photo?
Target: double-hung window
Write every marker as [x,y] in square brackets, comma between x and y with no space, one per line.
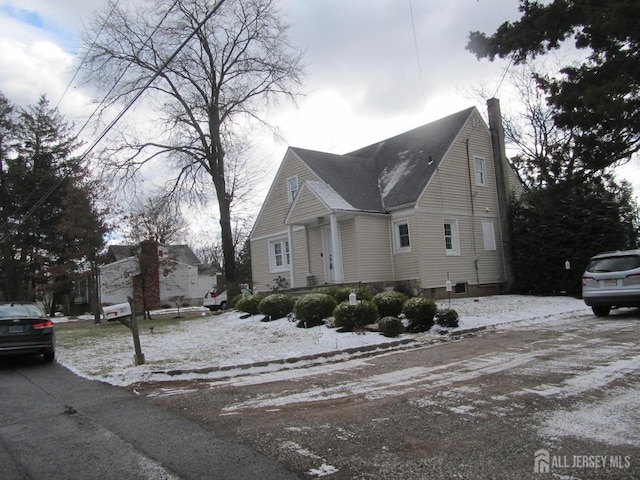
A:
[401,237]
[451,239]
[292,188]
[279,255]
[480,170]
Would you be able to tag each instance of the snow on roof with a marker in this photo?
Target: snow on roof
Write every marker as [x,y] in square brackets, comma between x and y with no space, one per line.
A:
[329,196]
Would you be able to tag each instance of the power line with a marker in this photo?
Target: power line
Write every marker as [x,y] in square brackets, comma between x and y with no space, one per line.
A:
[504,74]
[157,73]
[415,42]
[95,39]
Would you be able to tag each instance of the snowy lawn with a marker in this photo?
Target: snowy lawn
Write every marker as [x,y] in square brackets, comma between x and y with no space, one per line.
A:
[227,345]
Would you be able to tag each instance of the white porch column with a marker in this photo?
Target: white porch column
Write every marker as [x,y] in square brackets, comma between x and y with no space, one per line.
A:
[292,263]
[336,252]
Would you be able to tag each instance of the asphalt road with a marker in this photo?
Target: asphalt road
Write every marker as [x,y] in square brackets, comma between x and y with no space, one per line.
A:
[56,425]
[559,398]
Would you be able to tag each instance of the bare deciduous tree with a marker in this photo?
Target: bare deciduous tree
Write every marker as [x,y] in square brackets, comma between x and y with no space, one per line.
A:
[157,219]
[237,63]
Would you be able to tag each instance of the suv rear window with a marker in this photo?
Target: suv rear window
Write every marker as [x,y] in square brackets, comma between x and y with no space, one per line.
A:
[614,264]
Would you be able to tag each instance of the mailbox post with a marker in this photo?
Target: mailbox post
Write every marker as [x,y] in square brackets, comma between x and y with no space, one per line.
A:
[120,312]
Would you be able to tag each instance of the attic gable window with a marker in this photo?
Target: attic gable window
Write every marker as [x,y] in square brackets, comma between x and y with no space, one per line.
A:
[451,240]
[481,175]
[292,188]
[401,237]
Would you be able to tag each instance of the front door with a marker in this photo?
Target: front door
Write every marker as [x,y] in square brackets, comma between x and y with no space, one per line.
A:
[327,255]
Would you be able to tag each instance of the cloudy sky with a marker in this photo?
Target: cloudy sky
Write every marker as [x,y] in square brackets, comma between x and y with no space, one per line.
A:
[365,79]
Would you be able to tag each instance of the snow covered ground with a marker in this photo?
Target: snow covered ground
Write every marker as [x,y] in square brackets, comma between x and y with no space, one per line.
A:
[226,345]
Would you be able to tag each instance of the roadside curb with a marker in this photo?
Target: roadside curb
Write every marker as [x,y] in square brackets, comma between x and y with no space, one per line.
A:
[325,357]
[309,360]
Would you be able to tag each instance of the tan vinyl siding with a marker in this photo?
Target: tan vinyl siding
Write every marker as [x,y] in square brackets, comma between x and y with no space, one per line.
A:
[307,206]
[406,265]
[315,254]
[260,267]
[448,197]
[271,220]
[349,246]
[300,256]
[276,206]
[373,255]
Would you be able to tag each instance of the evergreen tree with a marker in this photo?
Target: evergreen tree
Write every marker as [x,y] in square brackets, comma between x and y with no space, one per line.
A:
[50,219]
[600,97]
[568,222]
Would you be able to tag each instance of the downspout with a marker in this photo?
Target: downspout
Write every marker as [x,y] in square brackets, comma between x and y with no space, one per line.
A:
[502,183]
[473,217]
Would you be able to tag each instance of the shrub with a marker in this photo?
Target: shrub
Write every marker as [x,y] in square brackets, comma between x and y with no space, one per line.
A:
[235,300]
[276,306]
[249,303]
[390,326]
[332,291]
[350,317]
[342,294]
[389,303]
[447,318]
[362,293]
[405,288]
[312,308]
[420,311]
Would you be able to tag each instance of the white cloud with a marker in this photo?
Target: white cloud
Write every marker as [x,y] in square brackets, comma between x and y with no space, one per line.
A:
[365,82]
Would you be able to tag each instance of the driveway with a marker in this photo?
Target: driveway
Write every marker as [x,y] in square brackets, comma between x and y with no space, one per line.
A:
[558,398]
[56,425]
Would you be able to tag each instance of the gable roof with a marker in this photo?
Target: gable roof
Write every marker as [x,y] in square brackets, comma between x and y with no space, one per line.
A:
[179,253]
[389,173]
[353,178]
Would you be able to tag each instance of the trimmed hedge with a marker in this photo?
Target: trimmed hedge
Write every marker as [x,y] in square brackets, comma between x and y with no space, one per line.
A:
[390,326]
[342,294]
[350,317]
[447,318]
[276,306]
[389,303]
[249,303]
[420,311]
[311,309]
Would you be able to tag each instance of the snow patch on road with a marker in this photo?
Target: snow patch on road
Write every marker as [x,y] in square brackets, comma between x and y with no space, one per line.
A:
[612,420]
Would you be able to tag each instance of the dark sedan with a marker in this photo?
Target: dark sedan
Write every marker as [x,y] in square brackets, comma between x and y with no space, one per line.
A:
[24,329]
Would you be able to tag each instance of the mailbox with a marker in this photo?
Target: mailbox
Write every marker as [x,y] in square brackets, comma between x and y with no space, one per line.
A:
[113,312]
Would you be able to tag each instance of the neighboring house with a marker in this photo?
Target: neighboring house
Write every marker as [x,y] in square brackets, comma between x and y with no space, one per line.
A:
[172,274]
[419,208]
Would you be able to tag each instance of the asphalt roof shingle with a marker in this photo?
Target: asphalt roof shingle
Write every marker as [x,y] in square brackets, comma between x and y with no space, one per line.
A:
[389,173]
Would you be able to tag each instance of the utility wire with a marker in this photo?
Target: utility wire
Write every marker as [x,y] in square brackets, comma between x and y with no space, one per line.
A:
[504,74]
[415,42]
[117,118]
[52,189]
[95,39]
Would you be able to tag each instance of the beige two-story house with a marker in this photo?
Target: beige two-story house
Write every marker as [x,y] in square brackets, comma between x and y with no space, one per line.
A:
[421,208]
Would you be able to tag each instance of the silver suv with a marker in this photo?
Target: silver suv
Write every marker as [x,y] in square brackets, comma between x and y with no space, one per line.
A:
[612,279]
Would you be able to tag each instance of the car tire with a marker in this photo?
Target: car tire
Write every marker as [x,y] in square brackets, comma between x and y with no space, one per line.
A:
[223,306]
[601,311]
[49,356]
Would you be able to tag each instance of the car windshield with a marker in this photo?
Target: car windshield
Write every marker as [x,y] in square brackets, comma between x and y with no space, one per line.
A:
[12,310]
[614,264]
